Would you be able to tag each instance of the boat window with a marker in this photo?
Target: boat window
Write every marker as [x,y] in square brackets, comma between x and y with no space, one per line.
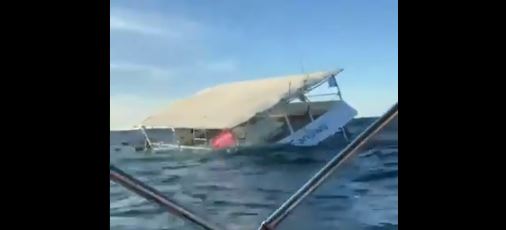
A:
[199,133]
[282,131]
[299,122]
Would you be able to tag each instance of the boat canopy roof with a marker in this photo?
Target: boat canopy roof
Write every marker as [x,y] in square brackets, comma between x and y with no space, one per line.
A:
[228,105]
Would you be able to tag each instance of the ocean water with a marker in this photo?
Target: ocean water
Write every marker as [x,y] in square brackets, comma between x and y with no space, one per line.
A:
[239,190]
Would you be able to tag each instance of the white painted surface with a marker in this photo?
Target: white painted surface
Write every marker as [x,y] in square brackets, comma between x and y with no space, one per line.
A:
[323,127]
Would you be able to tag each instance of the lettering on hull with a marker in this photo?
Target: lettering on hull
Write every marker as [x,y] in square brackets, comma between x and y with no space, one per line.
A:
[322,128]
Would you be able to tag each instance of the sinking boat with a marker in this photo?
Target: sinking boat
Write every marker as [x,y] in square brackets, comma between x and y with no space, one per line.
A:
[279,110]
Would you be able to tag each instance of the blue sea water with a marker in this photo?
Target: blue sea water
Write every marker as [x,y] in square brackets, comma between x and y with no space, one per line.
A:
[239,190]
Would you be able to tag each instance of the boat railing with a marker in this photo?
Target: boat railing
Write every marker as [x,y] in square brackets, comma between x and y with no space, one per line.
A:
[321,95]
[287,207]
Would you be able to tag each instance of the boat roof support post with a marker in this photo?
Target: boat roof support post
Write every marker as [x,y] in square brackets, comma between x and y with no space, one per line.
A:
[310,186]
[310,111]
[289,124]
[345,134]
[175,139]
[339,94]
[143,130]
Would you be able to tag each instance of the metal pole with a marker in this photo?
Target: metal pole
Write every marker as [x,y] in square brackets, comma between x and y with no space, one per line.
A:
[339,92]
[287,120]
[308,102]
[149,193]
[143,130]
[286,208]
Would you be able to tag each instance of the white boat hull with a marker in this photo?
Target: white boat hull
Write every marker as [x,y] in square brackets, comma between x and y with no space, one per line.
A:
[323,127]
[171,147]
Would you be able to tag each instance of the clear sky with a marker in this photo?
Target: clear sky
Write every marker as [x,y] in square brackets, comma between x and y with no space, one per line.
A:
[163,50]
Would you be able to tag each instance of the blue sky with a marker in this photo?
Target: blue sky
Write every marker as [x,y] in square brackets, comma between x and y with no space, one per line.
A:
[163,50]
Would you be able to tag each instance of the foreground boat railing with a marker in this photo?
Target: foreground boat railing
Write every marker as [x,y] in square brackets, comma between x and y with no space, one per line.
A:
[286,208]
[149,193]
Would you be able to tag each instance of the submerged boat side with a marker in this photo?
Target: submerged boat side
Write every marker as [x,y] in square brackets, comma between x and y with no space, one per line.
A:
[133,139]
